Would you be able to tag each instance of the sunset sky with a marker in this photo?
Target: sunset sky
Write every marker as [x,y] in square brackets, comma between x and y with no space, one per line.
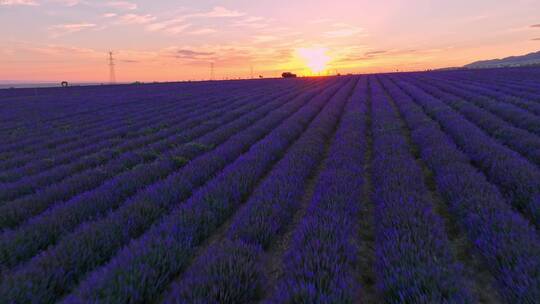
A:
[166,40]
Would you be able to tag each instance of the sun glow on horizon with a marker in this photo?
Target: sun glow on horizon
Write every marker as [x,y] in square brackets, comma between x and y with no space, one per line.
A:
[69,40]
[315,58]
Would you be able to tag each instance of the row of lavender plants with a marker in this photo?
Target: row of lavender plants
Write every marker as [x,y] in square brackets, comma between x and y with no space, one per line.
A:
[188,226]
[513,85]
[518,179]
[520,98]
[321,262]
[100,106]
[519,117]
[504,240]
[42,129]
[15,212]
[44,230]
[150,121]
[520,140]
[77,131]
[31,184]
[69,132]
[48,156]
[263,219]
[58,269]
[503,88]
[413,256]
[106,152]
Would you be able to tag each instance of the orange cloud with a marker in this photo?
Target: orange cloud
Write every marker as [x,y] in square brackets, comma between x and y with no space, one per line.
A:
[220,12]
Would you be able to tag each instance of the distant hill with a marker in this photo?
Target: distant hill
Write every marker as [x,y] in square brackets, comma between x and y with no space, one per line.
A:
[513,61]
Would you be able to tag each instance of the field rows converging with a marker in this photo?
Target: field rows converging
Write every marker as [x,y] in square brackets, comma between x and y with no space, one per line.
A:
[148,121]
[111,191]
[96,168]
[387,188]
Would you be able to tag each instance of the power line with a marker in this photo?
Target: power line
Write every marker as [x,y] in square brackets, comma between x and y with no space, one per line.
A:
[112,74]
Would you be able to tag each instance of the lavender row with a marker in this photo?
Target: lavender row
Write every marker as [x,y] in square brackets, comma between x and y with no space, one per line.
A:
[170,100]
[23,243]
[50,156]
[58,269]
[56,132]
[17,211]
[133,133]
[413,257]
[514,115]
[71,138]
[133,130]
[149,122]
[320,264]
[124,108]
[516,85]
[92,100]
[234,187]
[221,273]
[31,144]
[524,91]
[499,93]
[508,245]
[194,220]
[47,129]
[32,183]
[80,165]
[519,98]
[518,179]
[522,96]
[525,143]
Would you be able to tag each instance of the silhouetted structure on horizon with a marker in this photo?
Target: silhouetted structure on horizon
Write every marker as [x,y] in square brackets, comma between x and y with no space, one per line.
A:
[288,75]
[112,73]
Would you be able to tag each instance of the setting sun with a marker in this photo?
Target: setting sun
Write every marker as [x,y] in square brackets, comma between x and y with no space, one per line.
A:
[316,58]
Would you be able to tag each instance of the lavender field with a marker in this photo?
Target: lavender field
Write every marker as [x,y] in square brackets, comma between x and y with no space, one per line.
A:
[389,188]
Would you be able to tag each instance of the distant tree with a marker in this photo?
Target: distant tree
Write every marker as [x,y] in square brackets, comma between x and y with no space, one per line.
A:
[64,84]
[288,75]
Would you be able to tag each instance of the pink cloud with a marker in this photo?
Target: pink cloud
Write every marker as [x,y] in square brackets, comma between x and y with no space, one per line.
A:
[18,2]
[343,30]
[123,5]
[135,19]
[220,12]
[64,29]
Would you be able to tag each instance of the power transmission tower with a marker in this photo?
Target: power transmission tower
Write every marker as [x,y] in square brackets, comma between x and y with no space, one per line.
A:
[112,74]
[251,71]
[211,71]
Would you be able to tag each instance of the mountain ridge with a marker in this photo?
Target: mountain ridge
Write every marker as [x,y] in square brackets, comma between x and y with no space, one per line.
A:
[512,61]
